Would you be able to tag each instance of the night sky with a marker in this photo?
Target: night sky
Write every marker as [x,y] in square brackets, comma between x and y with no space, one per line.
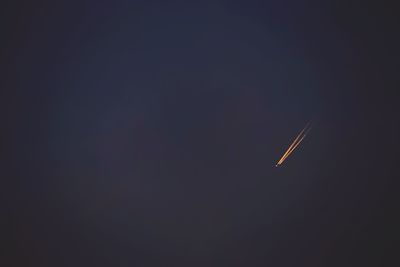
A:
[146,133]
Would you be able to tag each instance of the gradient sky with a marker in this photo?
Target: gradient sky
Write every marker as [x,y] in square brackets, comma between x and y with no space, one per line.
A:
[146,133]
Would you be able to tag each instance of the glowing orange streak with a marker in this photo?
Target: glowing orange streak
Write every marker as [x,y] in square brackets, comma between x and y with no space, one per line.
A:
[291,150]
[290,147]
[294,144]
[297,144]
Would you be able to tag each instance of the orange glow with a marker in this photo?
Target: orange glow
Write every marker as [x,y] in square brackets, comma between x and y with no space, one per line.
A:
[294,144]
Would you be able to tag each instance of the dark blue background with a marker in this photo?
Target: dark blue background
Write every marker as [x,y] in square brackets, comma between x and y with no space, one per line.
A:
[146,134]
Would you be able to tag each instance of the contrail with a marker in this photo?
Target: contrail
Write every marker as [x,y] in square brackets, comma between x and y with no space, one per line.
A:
[294,147]
[294,144]
[298,143]
[288,151]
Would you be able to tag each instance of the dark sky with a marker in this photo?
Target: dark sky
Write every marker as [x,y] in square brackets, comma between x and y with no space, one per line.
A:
[146,133]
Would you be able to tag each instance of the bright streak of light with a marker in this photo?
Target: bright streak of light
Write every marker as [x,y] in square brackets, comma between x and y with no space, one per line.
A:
[288,151]
[294,144]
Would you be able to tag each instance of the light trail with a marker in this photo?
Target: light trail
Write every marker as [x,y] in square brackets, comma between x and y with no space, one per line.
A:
[288,151]
[297,144]
[294,144]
